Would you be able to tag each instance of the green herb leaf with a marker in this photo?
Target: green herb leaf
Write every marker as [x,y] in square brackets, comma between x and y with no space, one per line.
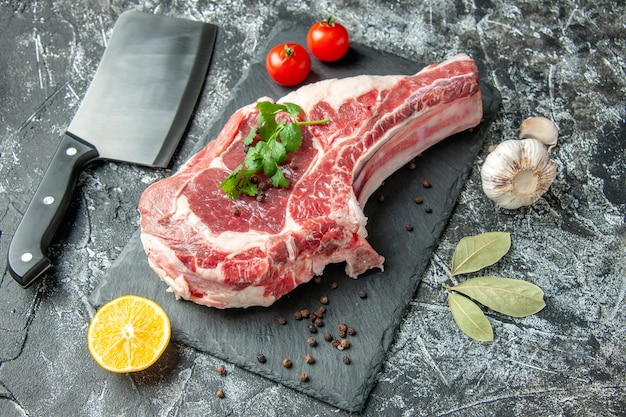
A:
[291,137]
[239,181]
[229,186]
[513,297]
[268,108]
[246,186]
[275,140]
[267,128]
[470,318]
[250,137]
[276,151]
[292,109]
[473,253]
[254,158]
[279,180]
[269,166]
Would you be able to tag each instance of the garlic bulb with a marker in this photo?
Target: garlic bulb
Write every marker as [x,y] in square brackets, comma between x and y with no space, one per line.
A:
[517,172]
[540,128]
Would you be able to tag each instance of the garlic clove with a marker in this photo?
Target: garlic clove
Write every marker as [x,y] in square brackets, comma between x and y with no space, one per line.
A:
[540,128]
[517,173]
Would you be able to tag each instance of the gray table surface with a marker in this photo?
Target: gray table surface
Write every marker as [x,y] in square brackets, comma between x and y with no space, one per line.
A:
[562,59]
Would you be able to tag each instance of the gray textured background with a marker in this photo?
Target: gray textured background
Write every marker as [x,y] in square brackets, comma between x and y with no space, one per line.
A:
[562,59]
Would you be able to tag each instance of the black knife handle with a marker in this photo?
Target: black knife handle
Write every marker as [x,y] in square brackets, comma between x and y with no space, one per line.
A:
[28,257]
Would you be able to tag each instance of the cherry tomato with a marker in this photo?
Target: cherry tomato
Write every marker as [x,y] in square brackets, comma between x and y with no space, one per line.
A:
[288,64]
[328,40]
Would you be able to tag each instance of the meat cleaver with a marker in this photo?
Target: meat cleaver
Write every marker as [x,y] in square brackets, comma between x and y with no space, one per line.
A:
[135,110]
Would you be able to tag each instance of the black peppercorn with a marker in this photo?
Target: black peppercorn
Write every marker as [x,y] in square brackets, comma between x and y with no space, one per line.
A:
[261,358]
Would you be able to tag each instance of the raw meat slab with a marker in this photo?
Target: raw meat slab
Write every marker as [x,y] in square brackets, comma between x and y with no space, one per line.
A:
[238,336]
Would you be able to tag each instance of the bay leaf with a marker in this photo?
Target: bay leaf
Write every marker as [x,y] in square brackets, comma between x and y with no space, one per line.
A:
[470,318]
[473,253]
[513,297]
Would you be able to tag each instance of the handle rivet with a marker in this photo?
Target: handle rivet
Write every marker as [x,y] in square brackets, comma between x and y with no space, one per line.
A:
[26,257]
[48,200]
[71,151]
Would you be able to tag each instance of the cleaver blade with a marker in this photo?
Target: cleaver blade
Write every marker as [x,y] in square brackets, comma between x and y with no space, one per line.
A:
[135,110]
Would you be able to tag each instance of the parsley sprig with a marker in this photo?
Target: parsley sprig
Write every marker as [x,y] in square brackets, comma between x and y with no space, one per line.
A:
[276,138]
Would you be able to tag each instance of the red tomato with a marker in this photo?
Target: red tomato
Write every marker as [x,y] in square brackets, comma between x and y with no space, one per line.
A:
[328,40]
[288,64]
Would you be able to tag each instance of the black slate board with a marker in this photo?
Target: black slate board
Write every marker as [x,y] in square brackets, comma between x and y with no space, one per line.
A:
[238,336]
